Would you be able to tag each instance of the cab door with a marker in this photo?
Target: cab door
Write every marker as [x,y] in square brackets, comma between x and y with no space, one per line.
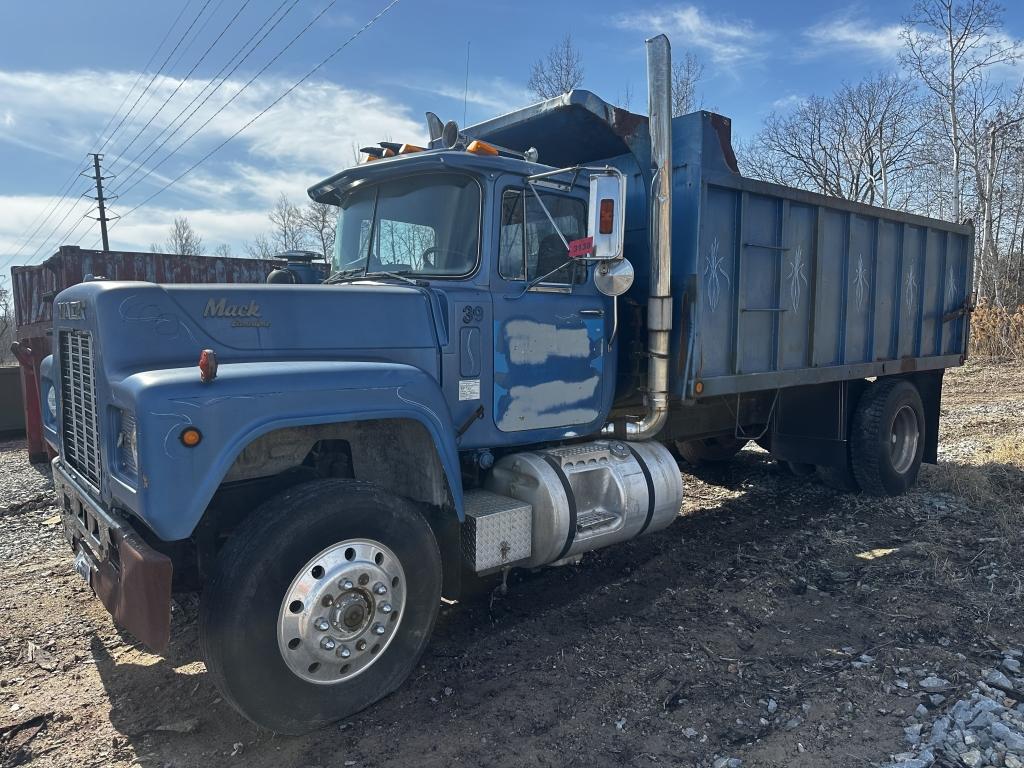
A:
[553,374]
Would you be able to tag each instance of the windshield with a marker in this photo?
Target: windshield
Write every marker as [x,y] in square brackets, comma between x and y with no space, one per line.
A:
[425,225]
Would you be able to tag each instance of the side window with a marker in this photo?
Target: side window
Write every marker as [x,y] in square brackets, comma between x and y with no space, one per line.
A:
[530,247]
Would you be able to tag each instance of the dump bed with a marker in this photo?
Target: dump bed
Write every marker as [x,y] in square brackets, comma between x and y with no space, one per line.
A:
[773,286]
[791,287]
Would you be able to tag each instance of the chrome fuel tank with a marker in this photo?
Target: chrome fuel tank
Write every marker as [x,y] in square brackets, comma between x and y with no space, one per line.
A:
[589,495]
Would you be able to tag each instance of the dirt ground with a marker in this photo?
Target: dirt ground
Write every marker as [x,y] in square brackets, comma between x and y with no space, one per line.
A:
[776,623]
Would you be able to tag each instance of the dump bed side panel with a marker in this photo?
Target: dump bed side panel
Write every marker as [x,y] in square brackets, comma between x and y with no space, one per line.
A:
[796,288]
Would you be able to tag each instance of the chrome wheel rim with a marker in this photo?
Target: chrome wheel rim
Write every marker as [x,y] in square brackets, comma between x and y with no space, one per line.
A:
[341,611]
[903,438]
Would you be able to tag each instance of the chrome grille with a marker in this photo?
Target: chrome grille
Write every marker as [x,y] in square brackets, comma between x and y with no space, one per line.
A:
[81,442]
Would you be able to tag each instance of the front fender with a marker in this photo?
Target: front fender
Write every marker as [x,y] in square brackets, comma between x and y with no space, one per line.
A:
[245,401]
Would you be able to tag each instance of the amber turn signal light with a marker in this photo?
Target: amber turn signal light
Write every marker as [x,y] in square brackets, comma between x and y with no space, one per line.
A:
[607,217]
[191,437]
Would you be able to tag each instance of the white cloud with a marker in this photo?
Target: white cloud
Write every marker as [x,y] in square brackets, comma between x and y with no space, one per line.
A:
[724,41]
[788,102]
[308,136]
[216,225]
[496,95]
[852,34]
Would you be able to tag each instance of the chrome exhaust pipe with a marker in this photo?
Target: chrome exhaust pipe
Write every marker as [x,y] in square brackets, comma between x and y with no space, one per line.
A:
[659,300]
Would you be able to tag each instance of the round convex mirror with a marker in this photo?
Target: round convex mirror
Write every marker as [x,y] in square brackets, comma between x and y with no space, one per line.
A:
[613,278]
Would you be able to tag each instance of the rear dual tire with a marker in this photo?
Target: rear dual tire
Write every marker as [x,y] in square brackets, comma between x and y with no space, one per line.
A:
[886,443]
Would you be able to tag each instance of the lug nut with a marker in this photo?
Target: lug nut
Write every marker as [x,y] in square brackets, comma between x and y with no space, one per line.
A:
[346,584]
[344,652]
[385,608]
[378,629]
[322,624]
[327,643]
[379,588]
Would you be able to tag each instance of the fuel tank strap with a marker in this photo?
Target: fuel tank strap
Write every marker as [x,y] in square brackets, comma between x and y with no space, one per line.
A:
[570,499]
[650,487]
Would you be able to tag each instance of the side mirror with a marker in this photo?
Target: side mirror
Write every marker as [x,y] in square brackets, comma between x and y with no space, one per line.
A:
[607,221]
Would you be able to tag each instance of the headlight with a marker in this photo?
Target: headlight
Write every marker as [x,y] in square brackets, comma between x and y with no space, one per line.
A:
[128,444]
[51,402]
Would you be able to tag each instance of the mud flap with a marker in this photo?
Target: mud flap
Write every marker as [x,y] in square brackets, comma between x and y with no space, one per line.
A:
[137,592]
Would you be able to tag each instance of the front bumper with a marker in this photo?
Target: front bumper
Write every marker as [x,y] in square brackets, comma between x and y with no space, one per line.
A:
[131,579]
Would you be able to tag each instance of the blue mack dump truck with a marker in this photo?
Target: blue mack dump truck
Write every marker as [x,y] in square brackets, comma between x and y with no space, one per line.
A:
[525,325]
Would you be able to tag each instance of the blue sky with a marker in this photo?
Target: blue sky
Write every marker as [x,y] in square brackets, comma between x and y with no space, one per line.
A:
[65,67]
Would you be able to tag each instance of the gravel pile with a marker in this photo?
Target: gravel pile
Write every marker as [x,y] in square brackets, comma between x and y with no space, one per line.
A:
[983,730]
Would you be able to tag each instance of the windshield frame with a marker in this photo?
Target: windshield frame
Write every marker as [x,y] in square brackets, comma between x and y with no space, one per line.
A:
[375,185]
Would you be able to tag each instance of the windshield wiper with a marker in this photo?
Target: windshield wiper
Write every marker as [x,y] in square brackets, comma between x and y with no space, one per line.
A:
[351,275]
[396,275]
[343,275]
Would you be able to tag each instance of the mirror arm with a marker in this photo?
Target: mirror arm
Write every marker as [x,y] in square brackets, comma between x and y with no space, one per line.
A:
[548,214]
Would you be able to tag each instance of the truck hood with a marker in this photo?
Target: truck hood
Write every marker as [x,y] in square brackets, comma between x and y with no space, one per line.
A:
[142,326]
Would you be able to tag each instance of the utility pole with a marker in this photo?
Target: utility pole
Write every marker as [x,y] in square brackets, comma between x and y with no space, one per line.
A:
[100,200]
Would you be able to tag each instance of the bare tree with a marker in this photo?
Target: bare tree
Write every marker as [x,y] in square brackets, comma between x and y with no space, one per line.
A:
[320,221]
[260,247]
[223,250]
[859,143]
[686,74]
[288,231]
[6,324]
[558,72]
[181,239]
[949,46]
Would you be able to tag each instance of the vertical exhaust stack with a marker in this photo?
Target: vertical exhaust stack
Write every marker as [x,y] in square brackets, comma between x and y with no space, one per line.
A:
[659,300]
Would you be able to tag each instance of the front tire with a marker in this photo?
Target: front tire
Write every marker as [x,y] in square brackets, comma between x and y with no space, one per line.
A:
[321,604]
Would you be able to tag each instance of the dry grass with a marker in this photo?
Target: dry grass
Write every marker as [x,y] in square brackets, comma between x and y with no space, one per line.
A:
[994,484]
[997,332]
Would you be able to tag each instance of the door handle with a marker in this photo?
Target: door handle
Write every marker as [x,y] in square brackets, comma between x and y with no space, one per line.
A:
[594,312]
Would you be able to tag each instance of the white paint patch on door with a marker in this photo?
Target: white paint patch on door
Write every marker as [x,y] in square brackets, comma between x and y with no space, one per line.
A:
[533,343]
[551,404]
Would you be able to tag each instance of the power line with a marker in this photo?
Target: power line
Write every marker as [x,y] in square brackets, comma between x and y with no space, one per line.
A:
[139,76]
[276,101]
[234,96]
[139,165]
[69,183]
[56,226]
[155,75]
[184,79]
[43,218]
[182,82]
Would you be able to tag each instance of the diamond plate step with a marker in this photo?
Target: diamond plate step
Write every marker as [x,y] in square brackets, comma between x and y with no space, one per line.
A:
[595,518]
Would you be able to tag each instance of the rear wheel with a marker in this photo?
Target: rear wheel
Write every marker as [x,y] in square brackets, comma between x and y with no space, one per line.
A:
[709,449]
[321,604]
[887,440]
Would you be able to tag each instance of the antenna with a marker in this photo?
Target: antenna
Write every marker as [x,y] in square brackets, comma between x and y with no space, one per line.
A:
[465,93]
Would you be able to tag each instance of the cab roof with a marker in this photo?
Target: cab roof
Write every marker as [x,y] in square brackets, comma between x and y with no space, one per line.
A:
[327,190]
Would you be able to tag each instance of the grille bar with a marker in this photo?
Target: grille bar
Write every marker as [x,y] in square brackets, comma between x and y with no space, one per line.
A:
[81,444]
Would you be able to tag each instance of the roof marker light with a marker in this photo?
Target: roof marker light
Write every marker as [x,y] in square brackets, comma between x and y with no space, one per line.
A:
[478,147]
